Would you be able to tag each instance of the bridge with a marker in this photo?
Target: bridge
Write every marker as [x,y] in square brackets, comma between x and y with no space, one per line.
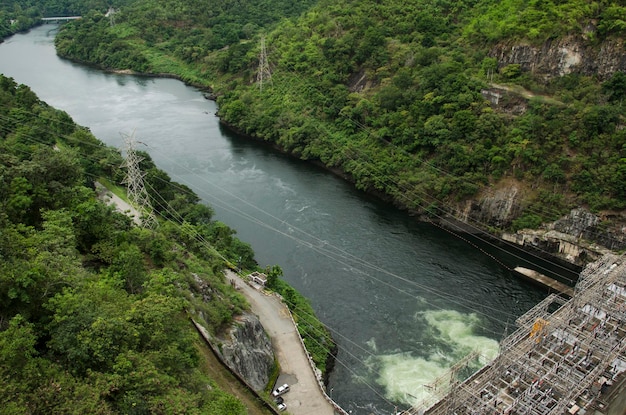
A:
[566,357]
[59,19]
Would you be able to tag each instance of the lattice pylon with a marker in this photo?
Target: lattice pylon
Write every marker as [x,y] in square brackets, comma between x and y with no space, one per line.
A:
[136,190]
[263,73]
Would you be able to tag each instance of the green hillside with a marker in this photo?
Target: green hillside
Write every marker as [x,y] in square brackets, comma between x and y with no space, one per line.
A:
[94,312]
[389,92]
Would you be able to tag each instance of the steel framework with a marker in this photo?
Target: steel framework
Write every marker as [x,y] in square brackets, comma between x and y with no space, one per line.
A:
[562,357]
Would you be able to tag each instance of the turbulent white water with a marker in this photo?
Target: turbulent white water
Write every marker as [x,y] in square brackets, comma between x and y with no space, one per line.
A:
[412,379]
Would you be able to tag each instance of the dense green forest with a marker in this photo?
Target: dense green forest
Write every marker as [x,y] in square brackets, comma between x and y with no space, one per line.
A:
[94,312]
[389,92]
[19,15]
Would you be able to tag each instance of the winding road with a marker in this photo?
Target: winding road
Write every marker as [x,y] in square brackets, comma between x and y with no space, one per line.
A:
[305,396]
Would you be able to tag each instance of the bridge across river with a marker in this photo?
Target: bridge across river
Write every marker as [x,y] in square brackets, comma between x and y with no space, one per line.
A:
[59,19]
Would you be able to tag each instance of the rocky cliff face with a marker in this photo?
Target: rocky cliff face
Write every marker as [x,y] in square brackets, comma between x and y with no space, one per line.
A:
[244,347]
[495,207]
[580,237]
[558,57]
[247,350]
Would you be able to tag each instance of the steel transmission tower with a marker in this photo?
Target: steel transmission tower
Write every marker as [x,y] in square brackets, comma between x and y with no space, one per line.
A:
[111,15]
[136,190]
[263,73]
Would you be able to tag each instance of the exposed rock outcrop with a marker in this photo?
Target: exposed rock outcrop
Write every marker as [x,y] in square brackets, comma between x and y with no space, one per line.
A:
[558,57]
[561,245]
[495,207]
[245,347]
[579,238]
[247,350]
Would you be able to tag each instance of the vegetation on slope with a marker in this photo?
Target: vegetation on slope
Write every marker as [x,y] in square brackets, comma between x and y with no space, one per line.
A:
[19,15]
[172,36]
[390,93]
[540,20]
[118,46]
[93,311]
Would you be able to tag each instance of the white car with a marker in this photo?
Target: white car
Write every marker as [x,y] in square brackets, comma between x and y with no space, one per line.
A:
[280,390]
[281,406]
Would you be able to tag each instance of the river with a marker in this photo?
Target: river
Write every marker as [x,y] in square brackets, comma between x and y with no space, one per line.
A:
[404,300]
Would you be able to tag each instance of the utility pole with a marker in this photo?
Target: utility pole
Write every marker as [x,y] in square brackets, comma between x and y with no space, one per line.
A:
[136,190]
[111,15]
[263,73]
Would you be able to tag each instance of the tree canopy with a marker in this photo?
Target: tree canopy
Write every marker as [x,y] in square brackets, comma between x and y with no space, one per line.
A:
[94,312]
[392,94]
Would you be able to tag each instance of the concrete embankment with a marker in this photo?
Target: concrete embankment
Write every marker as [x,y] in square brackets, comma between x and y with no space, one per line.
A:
[540,279]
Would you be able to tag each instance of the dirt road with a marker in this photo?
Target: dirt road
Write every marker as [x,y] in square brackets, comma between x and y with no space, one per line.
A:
[121,206]
[305,396]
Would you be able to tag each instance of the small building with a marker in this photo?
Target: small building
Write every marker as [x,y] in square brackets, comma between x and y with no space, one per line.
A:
[258,278]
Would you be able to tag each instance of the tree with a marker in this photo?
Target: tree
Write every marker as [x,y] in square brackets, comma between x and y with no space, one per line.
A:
[511,71]
[273,273]
[615,87]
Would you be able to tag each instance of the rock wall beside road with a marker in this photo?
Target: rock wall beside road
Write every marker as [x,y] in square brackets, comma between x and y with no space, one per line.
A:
[247,350]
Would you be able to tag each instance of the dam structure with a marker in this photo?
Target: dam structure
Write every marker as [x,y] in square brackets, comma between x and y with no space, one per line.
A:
[567,356]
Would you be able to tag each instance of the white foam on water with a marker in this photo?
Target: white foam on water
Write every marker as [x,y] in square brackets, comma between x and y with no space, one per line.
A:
[406,378]
[416,380]
[457,330]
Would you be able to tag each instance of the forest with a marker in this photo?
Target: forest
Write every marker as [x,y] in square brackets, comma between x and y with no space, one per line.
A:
[390,93]
[20,15]
[94,311]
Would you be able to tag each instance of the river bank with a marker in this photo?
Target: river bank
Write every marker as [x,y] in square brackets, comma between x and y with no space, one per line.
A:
[461,225]
[480,214]
[390,288]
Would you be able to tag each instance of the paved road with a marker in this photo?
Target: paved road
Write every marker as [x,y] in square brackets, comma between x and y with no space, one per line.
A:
[304,397]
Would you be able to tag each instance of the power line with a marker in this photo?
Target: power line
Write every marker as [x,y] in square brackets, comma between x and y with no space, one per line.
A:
[330,251]
[298,312]
[311,89]
[405,192]
[173,213]
[385,179]
[343,256]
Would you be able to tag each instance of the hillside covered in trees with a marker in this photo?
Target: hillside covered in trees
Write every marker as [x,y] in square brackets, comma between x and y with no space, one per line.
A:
[93,316]
[393,94]
[94,312]
[19,15]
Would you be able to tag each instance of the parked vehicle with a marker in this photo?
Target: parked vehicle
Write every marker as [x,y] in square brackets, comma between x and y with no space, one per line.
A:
[282,406]
[280,390]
